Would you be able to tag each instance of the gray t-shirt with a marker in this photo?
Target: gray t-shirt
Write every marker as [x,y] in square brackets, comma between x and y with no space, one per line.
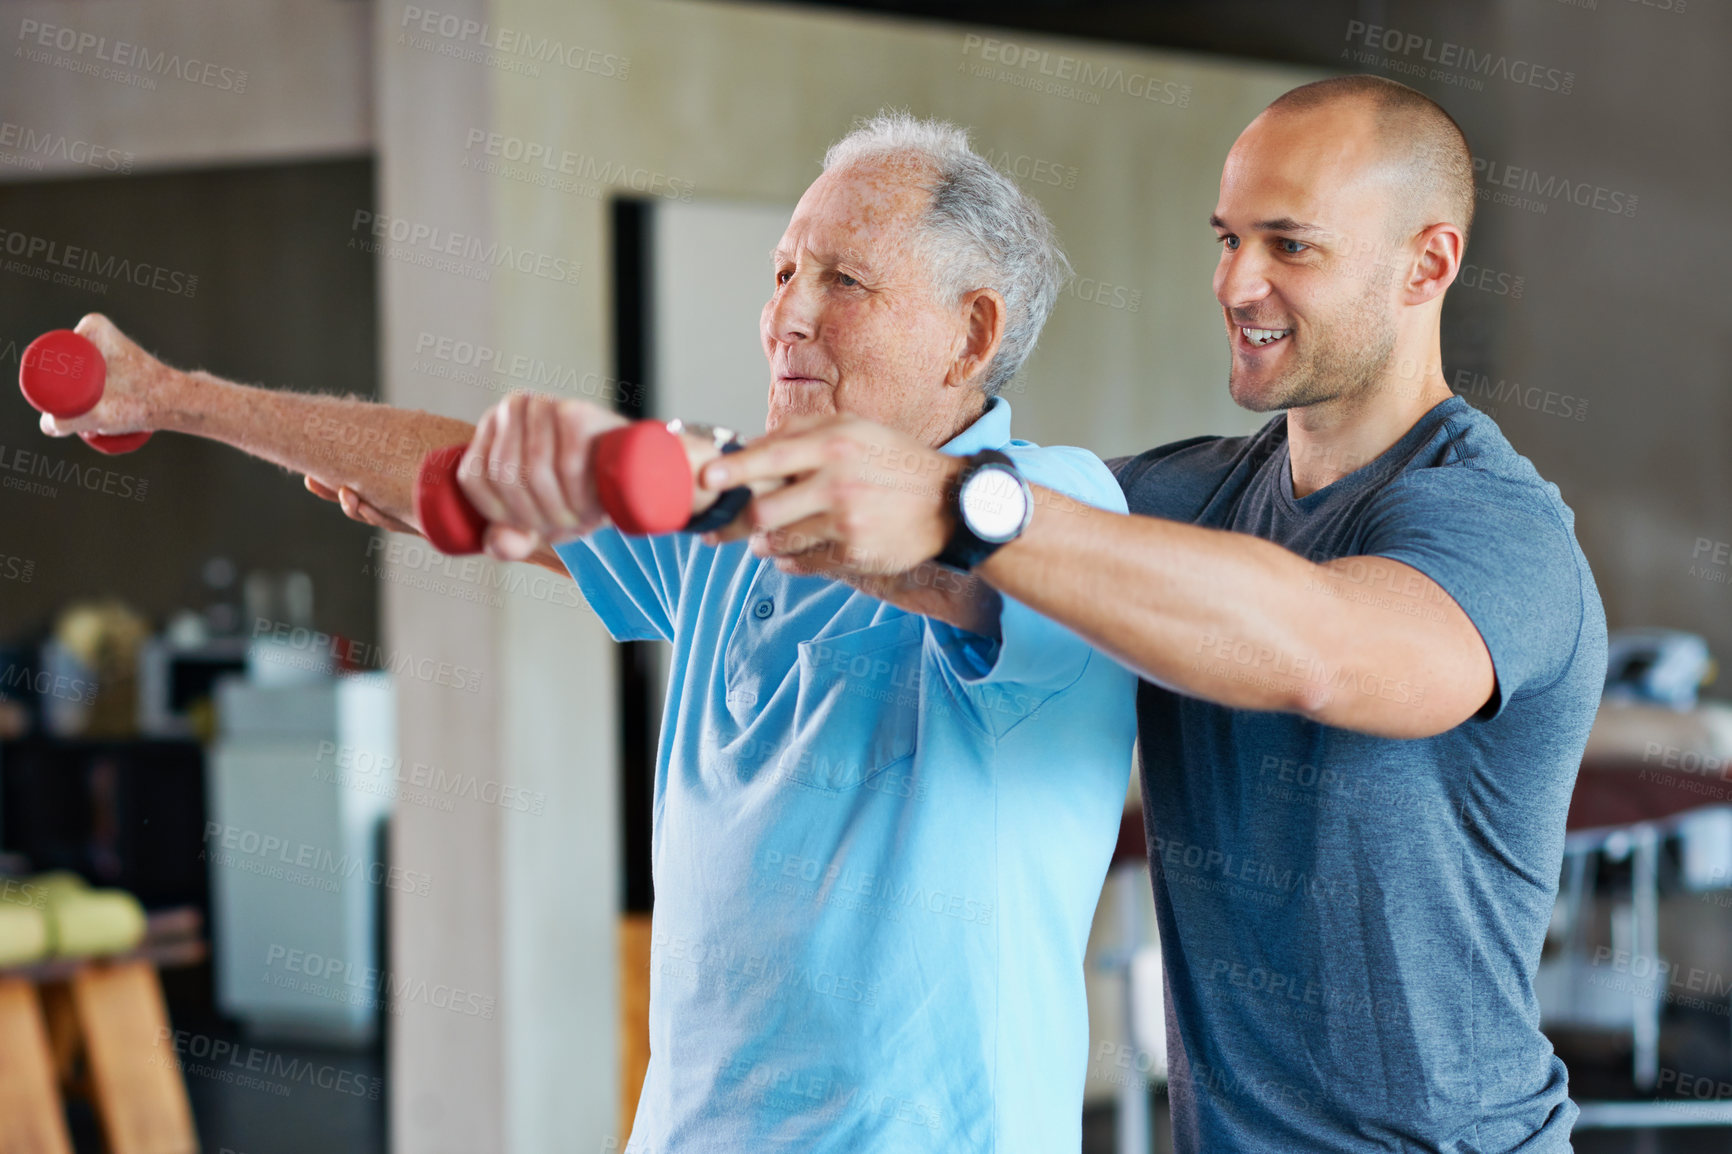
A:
[1351,924]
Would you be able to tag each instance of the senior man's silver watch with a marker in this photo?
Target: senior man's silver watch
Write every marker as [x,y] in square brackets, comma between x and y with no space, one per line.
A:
[991,505]
[719,435]
[731,501]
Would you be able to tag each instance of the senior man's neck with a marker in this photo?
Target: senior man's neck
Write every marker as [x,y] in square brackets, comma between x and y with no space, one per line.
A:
[945,426]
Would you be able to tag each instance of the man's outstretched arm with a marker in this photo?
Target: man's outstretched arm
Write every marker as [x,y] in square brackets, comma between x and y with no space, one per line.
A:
[522,469]
[1362,643]
[339,443]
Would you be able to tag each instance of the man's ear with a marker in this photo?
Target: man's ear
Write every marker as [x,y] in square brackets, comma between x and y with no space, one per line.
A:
[983,313]
[1438,260]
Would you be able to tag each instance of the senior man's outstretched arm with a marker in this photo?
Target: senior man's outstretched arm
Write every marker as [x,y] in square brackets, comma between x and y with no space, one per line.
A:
[525,468]
[1362,643]
[344,442]
[361,454]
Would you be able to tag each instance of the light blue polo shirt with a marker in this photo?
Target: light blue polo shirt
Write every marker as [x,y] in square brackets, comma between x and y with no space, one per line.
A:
[878,846]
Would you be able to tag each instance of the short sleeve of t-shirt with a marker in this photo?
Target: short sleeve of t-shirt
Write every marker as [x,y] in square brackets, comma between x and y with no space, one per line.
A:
[632,583]
[1498,548]
[1033,651]
[1177,480]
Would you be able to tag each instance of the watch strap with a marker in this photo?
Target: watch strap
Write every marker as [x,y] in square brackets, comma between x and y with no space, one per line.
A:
[726,507]
[965,549]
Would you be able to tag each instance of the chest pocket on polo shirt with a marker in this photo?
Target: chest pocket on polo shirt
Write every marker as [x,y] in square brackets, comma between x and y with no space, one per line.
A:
[857,712]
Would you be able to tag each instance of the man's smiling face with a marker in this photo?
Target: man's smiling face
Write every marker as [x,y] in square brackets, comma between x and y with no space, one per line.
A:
[1309,270]
[854,324]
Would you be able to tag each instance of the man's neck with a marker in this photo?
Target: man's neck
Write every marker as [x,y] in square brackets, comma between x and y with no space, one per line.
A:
[936,435]
[1329,440]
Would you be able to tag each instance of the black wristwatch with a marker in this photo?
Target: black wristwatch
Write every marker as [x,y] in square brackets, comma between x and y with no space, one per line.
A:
[728,505]
[990,505]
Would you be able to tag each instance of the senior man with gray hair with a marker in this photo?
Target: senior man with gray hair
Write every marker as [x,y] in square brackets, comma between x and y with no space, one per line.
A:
[883,812]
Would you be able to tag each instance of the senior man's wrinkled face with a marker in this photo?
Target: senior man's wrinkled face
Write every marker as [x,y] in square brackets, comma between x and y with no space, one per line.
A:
[854,324]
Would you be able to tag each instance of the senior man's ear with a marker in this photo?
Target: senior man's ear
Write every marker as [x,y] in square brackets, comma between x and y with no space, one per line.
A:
[983,316]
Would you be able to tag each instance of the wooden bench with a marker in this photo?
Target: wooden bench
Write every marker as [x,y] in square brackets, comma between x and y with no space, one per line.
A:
[97,1028]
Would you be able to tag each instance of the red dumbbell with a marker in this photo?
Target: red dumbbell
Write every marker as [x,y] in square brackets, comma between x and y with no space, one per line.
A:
[642,475]
[62,374]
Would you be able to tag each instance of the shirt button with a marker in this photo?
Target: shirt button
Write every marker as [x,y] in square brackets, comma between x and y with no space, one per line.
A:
[763,609]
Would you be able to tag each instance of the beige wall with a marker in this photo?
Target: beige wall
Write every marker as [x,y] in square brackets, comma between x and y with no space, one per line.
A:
[528,905]
[1629,311]
[448,1073]
[287,79]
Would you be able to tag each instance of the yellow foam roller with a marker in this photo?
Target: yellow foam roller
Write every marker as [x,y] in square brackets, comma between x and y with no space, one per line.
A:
[23,935]
[57,882]
[90,923]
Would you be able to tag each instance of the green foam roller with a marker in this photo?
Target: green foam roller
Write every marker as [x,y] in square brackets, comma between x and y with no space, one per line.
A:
[91,923]
[23,935]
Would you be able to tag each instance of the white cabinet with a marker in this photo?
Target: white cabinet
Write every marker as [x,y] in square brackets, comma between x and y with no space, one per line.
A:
[294,843]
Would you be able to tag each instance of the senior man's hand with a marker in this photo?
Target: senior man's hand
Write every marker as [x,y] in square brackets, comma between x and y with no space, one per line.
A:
[862,498]
[527,471]
[139,391]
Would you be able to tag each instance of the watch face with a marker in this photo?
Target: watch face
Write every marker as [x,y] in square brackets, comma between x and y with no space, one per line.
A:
[718,435]
[994,504]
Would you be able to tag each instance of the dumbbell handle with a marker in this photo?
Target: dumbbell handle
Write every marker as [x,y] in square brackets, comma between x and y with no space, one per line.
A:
[63,374]
[643,476]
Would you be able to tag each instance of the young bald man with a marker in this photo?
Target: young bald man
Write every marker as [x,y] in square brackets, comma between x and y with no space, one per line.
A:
[1371,651]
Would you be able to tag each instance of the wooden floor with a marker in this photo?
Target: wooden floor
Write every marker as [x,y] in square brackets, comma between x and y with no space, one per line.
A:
[634,975]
